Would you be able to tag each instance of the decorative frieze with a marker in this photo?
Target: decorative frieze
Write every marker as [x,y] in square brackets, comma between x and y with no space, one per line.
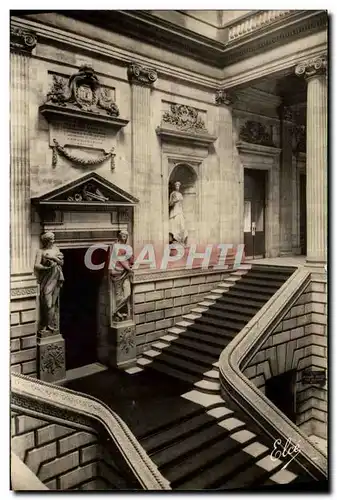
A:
[141,74]
[312,67]
[184,118]
[256,133]
[223,97]
[22,40]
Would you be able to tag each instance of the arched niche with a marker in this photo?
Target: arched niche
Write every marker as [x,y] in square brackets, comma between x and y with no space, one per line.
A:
[187,176]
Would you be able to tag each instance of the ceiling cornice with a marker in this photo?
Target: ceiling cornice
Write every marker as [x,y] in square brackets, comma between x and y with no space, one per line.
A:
[149,28]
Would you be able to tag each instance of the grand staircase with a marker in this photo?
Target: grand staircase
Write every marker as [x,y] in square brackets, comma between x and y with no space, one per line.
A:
[210,446]
[190,350]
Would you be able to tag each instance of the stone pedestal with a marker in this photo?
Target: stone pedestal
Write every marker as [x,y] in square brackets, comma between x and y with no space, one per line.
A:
[314,71]
[122,344]
[51,359]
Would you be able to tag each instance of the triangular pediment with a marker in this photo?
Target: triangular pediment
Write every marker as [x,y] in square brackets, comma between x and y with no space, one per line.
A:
[91,189]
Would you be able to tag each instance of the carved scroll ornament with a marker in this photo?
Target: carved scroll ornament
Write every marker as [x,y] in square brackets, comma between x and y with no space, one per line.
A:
[184,118]
[82,90]
[256,133]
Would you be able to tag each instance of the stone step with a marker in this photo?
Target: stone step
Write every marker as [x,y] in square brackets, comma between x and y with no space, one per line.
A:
[198,310]
[169,338]
[198,347]
[159,366]
[208,386]
[191,317]
[182,324]
[175,331]
[222,323]
[207,303]
[221,313]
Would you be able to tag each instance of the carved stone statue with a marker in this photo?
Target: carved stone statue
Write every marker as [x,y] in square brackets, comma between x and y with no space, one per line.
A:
[48,267]
[121,278]
[176,216]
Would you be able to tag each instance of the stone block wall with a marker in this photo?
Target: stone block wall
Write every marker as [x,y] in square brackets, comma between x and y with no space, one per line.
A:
[23,315]
[62,457]
[159,304]
[298,342]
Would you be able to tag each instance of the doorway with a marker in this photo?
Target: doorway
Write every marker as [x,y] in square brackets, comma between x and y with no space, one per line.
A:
[254,212]
[79,307]
[280,390]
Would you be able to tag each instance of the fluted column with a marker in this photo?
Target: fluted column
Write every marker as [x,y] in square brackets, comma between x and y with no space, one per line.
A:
[22,43]
[141,80]
[231,204]
[314,71]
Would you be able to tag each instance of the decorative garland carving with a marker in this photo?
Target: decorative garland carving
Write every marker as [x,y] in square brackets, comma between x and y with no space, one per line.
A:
[312,67]
[256,133]
[223,97]
[141,74]
[184,118]
[80,161]
[22,40]
[82,90]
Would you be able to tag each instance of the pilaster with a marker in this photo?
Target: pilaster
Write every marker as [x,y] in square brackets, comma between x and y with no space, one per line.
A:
[141,80]
[286,182]
[229,181]
[314,71]
[22,43]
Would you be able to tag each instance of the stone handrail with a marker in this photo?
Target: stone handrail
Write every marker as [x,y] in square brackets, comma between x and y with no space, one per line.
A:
[22,478]
[243,393]
[254,22]
[62,399]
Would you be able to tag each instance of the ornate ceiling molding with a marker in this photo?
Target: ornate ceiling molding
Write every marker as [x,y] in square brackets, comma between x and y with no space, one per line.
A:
[22,40]
[142,75]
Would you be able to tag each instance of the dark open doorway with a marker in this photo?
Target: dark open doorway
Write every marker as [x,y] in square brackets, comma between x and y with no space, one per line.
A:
[79,307]
[254,212]
[281,391]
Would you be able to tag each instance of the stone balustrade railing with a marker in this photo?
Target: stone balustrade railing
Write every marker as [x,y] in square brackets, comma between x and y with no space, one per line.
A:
[255,22]
[44,398]
[240,392]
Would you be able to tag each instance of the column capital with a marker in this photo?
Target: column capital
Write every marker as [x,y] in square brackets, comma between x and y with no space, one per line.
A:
[223,97]
[312,67]
[22,40]
[141,74]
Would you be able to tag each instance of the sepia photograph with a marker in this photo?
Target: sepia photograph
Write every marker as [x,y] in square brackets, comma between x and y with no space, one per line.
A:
[168,236]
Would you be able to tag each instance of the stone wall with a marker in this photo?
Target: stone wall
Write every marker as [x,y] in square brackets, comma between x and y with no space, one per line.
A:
[23,335]
[62,457]
[299,342]
[161,303]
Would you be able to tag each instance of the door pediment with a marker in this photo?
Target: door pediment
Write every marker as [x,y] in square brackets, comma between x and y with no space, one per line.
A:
[91,191]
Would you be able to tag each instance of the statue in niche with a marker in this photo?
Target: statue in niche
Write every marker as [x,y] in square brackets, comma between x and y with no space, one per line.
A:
[48,268]
[178,234]
[121,277]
